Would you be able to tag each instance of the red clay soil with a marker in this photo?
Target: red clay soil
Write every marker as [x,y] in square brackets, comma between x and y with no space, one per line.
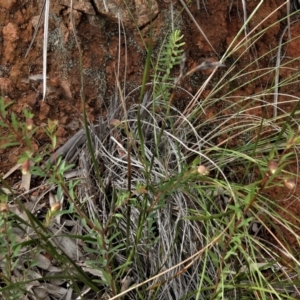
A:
[220,20]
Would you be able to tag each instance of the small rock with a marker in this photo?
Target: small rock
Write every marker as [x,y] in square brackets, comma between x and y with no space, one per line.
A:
[139,10]
[22,86]
[65,84]
[44,111]
[7,4]
[74,124]
[10,37]
[29,99]
[6,86]
[61,132]
[80,5]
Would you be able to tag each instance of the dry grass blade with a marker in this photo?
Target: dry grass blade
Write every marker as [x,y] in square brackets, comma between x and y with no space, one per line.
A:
[12,170]
[36,28]
[288,12]
[278,62]
[45,47]
[245,18]
[197,25]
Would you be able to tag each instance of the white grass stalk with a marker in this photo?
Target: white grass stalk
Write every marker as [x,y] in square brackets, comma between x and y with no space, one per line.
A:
[105,5]
[172,14]
[36,29]
[45,47]
[125,57]
[288,12]
[276,79]
[245,20]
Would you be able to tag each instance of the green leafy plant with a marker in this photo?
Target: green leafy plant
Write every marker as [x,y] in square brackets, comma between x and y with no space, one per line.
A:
[19,132]
[23,252]
[169,57]
[10,250]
